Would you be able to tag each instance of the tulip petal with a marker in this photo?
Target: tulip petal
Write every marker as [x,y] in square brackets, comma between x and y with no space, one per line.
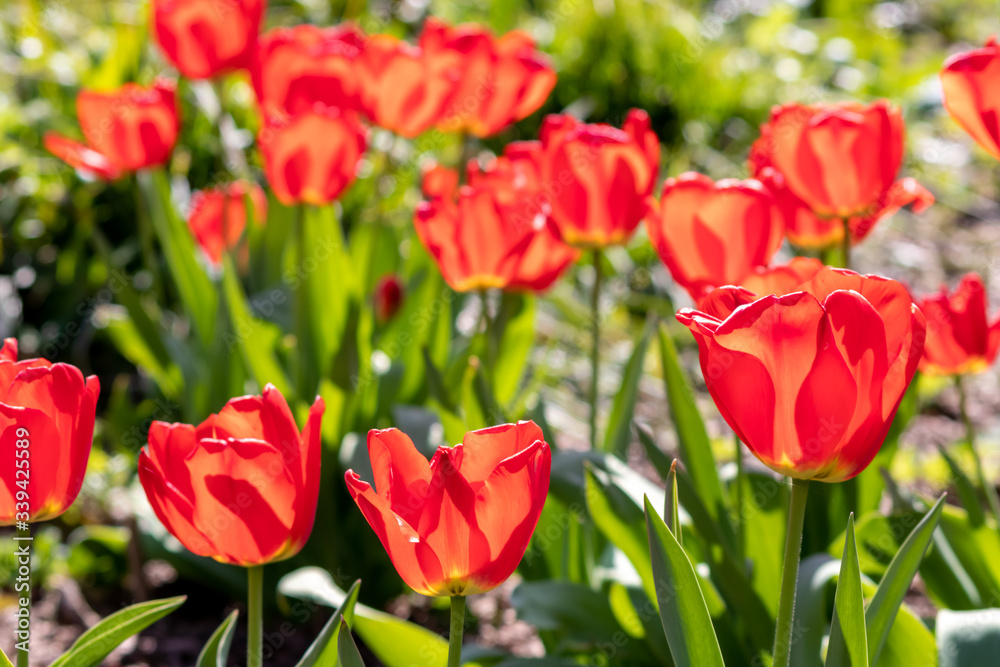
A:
[486,448]
[47,494]
[172,507]
[402,474]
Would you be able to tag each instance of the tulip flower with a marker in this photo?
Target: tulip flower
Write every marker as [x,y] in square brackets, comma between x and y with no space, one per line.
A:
[218,216]
[205,38]
[388,298]
[133,127]
[494,81]
[296,68]
[970,82]
[781,279]
[494,232]
[960,338]
[311,158]
[710,234]
[47,412]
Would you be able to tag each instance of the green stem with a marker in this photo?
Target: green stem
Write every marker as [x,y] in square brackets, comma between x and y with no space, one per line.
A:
[740,540]
[489,333]
[790,573]
[595,311]
[970,440]
[300,306]
[255,615]
[845,245]
[146,238]
[24,534]
[457,628]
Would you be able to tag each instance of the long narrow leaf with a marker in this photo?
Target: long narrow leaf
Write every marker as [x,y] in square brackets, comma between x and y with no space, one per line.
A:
[848,639]
[323,651]
[619,426]
[216,651]
[347,650]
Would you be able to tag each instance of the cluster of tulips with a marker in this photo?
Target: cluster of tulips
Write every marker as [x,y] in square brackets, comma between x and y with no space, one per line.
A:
[807,363]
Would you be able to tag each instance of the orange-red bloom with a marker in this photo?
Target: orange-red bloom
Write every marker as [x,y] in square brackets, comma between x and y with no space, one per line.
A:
[971,83]
[781,279]
[960,339]
[494,81]
[598,177]
[710,234]
[204,38]
[47,425]
[130,128]
[242,486]
[219,215]
[311,157]
[296,68]
[459,525]
[811,380]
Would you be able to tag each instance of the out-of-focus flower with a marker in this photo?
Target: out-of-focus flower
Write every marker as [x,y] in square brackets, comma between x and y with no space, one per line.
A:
[598,177]
[312,157]
[296,68]
[960,338]
[388,297]
[218,216]
[205,38]
[459,525]
[130,128]
[242,486]
[494,232]
[711,234]
[47,421]
[971,83]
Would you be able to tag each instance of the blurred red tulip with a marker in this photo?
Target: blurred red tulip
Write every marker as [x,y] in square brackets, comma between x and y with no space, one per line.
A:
[218,216]
[47,414]
[388,298]
[205,38]
[459,525]
[296,68]
[494,81]
[971,83]
[311,158]
[840,159]
[494,232]
[711,234]
[598,177]
[781,279]
[960,339]
[811,380]
[242,486]
[81,157]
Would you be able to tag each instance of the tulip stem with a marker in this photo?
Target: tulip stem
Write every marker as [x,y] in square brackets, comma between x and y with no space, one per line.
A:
[300,307]
[489,335]
[23,536]
[457,628]
[255,615]
[845,245]
[970,440]
[740,545]
[790,573]
[595,312]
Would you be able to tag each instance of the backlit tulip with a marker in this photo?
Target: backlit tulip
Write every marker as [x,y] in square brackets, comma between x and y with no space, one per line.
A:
[242,486]
[311,158]
[459,525]
[132,127]
[494,81]
[204,38]
[494,232]
[598,177]
[971,87]
[960,337]
[710,234]
[296,68]
[218,216]
[811,380]
[47,414]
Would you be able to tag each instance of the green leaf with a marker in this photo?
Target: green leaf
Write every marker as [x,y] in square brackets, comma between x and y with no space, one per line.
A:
[324,650]
[686,621]
[96,643]
[617,435]
[966,490]
[516,320]
[4,660]
[216,651]
[882,610]
[347,650]
[966,638]
[848,640]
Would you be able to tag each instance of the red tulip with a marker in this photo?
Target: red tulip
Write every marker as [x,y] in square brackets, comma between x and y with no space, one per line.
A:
[960,339]
[710,234]
[459,525]
[971,83]
[312,157]
[495,231]
[811,380]
[494,81]
[242,486]
[781,279]
[47,414]
[296,68]
[130,128]
[598,177]
[840,159]
[218,216]
[205,38]
[388,298]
